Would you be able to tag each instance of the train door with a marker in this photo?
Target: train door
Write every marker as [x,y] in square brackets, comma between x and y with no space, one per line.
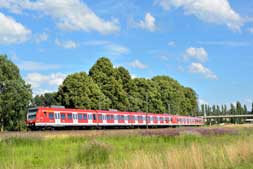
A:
[90,118]
[94,119]
[75,120]
[57,118]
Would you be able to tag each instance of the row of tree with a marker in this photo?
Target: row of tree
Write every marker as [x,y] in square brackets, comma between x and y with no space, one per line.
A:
[216,110]
[224,110]
[106,87]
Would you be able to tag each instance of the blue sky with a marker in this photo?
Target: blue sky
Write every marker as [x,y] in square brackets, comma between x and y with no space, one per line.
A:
[204,44]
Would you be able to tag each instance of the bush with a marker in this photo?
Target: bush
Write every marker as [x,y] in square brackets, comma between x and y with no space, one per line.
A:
[93,153]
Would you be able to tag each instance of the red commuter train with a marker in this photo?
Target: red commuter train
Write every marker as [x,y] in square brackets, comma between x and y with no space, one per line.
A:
[58,117]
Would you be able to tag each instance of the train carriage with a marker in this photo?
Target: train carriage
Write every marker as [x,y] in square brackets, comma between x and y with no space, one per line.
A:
[57,117]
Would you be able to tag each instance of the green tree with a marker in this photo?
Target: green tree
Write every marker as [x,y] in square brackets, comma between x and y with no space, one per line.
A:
[214,110]
[252,108]
[46,99]
[245,110]
[239,108]
[190,103]
[233,112]
[225,109]
[111,82]
[15,96]
[123,76]
[181,100]
[80,91]
[144,95]
[202,110]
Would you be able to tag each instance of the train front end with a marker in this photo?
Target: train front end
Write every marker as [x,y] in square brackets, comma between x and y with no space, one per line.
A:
[31,117]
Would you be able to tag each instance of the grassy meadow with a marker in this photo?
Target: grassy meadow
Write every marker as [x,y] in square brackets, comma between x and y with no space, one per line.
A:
[132,150]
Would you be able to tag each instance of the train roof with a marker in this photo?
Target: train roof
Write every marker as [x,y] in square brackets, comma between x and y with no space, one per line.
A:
[104,111]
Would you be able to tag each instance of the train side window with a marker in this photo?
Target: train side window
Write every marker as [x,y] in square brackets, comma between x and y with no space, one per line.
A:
[85,116]
[51,116]
[69,116]
[80,116]
[90,116]
[100,117]
[94,117]
[62,116]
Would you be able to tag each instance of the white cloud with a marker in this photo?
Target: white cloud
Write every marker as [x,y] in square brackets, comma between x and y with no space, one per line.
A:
[138,64]
[148,23]
[250,30]
[96,42]
[199,54]
[71,15]
[11,31]
[109,47]
[29,65]
[212,11]
[41,37]
[172,43]
[39,91]
[248,100]
[201,101]
[39,81]
[36,79]
[200,69]
[115,49]
[66,44]
[35,66]
[164,57]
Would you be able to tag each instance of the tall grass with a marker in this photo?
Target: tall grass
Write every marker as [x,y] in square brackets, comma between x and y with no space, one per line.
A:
[187,151]
[238,155]
[93,152]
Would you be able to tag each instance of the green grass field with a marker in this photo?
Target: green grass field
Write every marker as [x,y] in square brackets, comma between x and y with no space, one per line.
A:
[189,150]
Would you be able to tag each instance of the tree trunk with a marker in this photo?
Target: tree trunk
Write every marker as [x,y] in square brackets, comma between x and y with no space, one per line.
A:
[2,124]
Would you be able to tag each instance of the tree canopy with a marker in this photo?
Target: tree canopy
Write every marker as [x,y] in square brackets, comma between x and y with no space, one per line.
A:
[15,96]
[107,87]
[80,91]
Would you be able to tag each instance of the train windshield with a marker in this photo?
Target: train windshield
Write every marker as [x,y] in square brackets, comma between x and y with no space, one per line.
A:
[31,115]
